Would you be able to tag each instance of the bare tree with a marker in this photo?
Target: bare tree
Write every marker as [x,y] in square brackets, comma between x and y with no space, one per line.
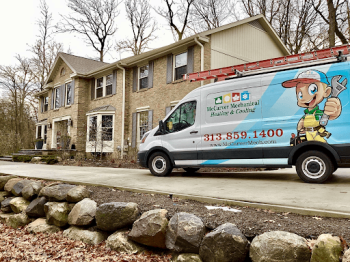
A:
[95,20]
[142,25]
[269,8]
[333,13]
[209,14]
[45,49]
[176,12]
[18,83]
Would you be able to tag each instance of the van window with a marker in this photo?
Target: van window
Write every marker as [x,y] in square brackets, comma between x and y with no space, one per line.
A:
[183,117]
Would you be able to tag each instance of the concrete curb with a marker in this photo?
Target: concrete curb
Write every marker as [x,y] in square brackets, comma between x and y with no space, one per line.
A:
[211,200]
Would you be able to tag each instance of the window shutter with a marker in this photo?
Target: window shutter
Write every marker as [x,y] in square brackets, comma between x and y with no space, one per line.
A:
[150,120]
[52,98]
[93,89]
[135,78]
[167,110]
[62,95]
[134,130]
[42,103]
[190,60]
[169,69]
[150,74]
[114,83]
[72,91]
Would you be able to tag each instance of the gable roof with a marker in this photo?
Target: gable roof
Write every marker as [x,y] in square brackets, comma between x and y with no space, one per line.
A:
[79,65]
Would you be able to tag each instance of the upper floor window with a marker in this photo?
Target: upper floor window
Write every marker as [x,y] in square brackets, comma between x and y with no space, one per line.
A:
[183,117]
[45,104]
[180,65]
[104,86]
[63,71]
[99,87]
[143,82]
[69,93]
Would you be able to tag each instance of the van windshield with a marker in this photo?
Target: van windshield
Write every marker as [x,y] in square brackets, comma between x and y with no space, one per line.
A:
[183,117]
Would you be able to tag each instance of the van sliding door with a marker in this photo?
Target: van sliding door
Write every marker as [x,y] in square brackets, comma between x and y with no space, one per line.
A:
[231,124]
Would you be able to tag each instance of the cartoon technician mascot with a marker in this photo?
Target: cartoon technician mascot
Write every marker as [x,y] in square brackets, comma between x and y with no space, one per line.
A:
[312,87]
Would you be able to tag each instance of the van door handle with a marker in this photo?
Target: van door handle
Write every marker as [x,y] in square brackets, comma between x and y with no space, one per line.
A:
[193,132]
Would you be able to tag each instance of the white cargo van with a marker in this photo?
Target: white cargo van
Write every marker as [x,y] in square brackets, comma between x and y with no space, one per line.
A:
[292,117]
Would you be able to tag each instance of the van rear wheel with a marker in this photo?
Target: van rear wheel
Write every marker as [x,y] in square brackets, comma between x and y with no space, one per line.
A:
[159,164]
[314,167]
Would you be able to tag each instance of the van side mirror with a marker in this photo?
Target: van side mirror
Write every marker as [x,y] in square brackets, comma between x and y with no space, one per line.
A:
[161,127]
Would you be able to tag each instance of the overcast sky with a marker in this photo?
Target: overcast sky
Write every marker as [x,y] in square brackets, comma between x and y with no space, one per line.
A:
[18,19]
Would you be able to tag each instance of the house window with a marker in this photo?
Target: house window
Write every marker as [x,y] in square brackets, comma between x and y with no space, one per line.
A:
[45,133]
[143,123]
[180,65]
[183,117]
[45,103]
[92,128]
[63,71]
[107,128]
[143,82]
[99,87]
[39,132]
[109,84]
[57,97]
[68,93]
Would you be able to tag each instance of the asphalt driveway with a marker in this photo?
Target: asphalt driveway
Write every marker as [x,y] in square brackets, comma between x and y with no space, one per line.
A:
[279,190]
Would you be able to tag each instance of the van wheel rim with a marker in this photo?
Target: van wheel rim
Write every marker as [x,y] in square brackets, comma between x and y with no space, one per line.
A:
[313,167]
[159,164]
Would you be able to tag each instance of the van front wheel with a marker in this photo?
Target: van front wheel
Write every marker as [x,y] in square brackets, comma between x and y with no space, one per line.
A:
[314,167]
[159,164]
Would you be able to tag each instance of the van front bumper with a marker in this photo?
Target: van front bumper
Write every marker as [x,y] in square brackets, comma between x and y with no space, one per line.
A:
[141,159]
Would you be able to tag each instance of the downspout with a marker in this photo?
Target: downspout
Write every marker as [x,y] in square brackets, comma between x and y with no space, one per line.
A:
[123,113]
[202,55]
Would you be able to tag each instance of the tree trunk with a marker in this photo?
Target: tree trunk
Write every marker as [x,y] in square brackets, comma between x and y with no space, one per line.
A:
[332,23]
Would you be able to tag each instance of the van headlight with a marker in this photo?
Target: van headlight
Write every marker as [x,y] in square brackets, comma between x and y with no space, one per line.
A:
[144,137]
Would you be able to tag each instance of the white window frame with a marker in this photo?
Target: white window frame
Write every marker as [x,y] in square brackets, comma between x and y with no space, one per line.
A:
[57,88]
[174,64]
[104,86]
[138,118]
[45,99]
[42,125]
[66,93]
[139,77]
[108,145]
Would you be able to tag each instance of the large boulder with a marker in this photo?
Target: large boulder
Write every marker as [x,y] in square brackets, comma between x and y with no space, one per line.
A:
[4,195]
[32,190]
[10,183]
[150,228]
[56,193]
[18,220]
[57,213]
[279,246]
[41,226]
[188,257]
[83,213]
[3,181]
[18,187]
[36,207]
[5,205]
[116,215]
[77,194]
[184,233]
[224,244]
[19,204]
[120,242]
[86,236]
[326,249]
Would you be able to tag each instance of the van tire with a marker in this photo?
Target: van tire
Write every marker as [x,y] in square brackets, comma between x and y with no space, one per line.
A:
[314,167]
[159,164]
[191,169]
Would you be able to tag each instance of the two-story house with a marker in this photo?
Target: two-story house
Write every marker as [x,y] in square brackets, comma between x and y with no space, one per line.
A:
[107,107]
